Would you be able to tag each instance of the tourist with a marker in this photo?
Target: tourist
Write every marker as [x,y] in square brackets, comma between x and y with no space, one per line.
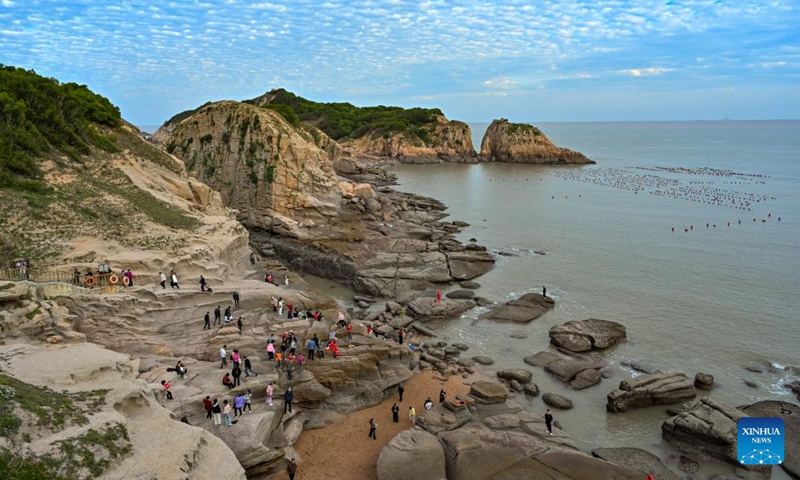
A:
[349,329]
[270,392]
[286,280]
[237,374]
[428,403]
[217,316]
[395,413]
[438,297]
[162,279]
[226,414]
[442,395]
[207,321]
[236,299]
[247,398]
[289,368]
[412,414]
[373,427]
[269,278]
[224,356]
[291,469]
[252,258]
[548,421]
[167,386]
[289,310]
[181,369]
[281,303]
[311,345]
[271,351]
[226,380]
[238,404]
[288,396]
[274,304]
[278,360]
[217,411]
[341,321]
[228,315]
[202,283]
[129,275]
[400,391]
[300,361]
[239,324]
[544,291]
[248,368]
[401,334]
[334,348]
[208,406]
[173,280]
[237,360]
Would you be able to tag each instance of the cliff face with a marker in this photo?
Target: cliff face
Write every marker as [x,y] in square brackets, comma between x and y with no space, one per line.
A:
[523,143]
[442,141]
[276,176]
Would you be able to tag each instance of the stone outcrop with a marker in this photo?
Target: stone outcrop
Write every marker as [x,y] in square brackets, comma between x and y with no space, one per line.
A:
[557,401]
[658,388]
[413,453]
[586,335]
[523,309]
[578,372]
[524,143]
[637,460]
[425,310]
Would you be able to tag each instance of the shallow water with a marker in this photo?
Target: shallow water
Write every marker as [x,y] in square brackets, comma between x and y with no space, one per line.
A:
[709,300]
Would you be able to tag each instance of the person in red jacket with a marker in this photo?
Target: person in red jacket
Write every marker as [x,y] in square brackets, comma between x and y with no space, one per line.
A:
[349,329]
[167,386]
[208,406]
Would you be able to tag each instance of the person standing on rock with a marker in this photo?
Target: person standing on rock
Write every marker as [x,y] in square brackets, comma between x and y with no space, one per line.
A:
[290,369]
[217,316]
[548,421]
[281,303]
[341,322]
[373,427]
[438,296]
[311,345]
[288,397]
[289,309]
[208,406]
[173,280]
[401,334]
[248,368]
[129,275]
[300,361]
[228,314]
[162,280]
[400,391]
[544,291]
[349,330]
[216,410]
[291,469]
[286,280]
[428,403]
[412,414]
[237,374]
[202,283]
[226,414]
[247,398]
[442,395]
[224,356]
[278,360]
[167,386]
[238,405]
[395,413]
[271,351]
[270,392]
[207,321]
[274,304]
[252,258]
[239,324]
[236,299]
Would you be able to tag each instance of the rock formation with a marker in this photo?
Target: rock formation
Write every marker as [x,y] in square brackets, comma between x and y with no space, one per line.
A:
[523,309]
[586,335]
[418,452]
[658,388]
[637,460]
[523,143]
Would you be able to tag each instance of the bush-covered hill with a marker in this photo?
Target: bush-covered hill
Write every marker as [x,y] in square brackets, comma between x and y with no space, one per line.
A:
[344,120]
[42,118]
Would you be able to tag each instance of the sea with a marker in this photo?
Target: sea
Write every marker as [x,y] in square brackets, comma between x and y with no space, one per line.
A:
[687,233]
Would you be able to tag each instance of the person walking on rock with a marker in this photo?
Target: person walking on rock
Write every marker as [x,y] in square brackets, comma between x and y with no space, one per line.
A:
[281,303]
[247,398]
[373,427]
[428,403]
[239,324]
[288,397]
[400,391]
[207,321]
[228,314]
[248,368]
[395,413]
[291,469]
[274,303]
[173,280]
[162,280]
[271,351]
[252,258]
[349,330]
[216,410]
[202,283]
[290,369]
[442,395]
[270,392]
[208,406]
[237,374]
[238,405]
[167,386]
[236,299]
[224,356]
[548,421]
[412,414]
[311,345]
[226,414]
[217,316]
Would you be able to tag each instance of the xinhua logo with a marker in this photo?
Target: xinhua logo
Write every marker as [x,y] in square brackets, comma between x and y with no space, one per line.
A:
[760,441]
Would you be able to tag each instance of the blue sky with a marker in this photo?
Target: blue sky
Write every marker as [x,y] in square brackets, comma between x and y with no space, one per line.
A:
[475,59]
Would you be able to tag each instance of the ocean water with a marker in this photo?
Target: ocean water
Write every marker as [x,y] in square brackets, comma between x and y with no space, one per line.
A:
[711,300]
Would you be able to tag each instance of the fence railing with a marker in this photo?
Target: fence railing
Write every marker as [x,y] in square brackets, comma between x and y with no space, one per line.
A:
[77,280]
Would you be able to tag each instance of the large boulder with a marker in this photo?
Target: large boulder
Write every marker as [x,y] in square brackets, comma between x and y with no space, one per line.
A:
[489,392]
[462,294]
[524,143]
[658,388]
[637,460]
[518,374]
[412,453]
[425,309]
[524,309]
[790,413]
[557,401]
[586,335]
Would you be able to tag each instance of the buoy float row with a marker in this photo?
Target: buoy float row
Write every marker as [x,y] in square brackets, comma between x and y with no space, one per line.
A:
[714,225]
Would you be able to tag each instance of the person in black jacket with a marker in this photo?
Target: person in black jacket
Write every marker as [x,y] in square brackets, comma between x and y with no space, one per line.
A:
[236,299]
[288,397]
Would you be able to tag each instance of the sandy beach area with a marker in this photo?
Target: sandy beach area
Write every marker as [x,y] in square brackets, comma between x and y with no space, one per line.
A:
[344,449]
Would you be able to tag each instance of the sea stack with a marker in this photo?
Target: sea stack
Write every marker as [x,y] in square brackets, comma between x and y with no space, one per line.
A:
[523,143]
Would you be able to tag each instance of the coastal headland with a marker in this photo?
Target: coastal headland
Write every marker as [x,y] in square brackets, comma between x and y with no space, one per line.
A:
[239,192]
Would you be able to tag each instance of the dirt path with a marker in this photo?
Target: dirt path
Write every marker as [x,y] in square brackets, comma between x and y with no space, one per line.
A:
[344,450]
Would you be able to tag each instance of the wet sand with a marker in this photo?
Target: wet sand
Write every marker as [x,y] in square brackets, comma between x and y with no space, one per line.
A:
[344,449]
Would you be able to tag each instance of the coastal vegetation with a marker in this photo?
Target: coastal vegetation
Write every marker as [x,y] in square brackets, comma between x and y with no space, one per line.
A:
[341,120]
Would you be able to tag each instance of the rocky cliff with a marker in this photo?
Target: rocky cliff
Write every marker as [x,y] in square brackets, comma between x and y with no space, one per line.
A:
[524,143]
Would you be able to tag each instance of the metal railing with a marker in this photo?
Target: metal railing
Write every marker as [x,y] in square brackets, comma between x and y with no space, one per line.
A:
[76,281]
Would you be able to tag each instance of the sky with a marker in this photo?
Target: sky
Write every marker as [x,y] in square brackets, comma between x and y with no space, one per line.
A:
[532,61]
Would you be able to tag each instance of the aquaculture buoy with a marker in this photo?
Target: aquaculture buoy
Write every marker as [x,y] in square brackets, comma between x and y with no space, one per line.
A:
[686,230]
[673,229]
[113,279]
[89,282]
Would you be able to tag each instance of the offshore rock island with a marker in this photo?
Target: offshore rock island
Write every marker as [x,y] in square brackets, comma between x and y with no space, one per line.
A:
[108,375]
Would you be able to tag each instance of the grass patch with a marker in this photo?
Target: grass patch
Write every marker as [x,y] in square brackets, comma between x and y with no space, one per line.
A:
[93,452]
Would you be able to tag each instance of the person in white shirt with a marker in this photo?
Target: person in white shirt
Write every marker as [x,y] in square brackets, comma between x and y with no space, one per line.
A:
[224,356]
